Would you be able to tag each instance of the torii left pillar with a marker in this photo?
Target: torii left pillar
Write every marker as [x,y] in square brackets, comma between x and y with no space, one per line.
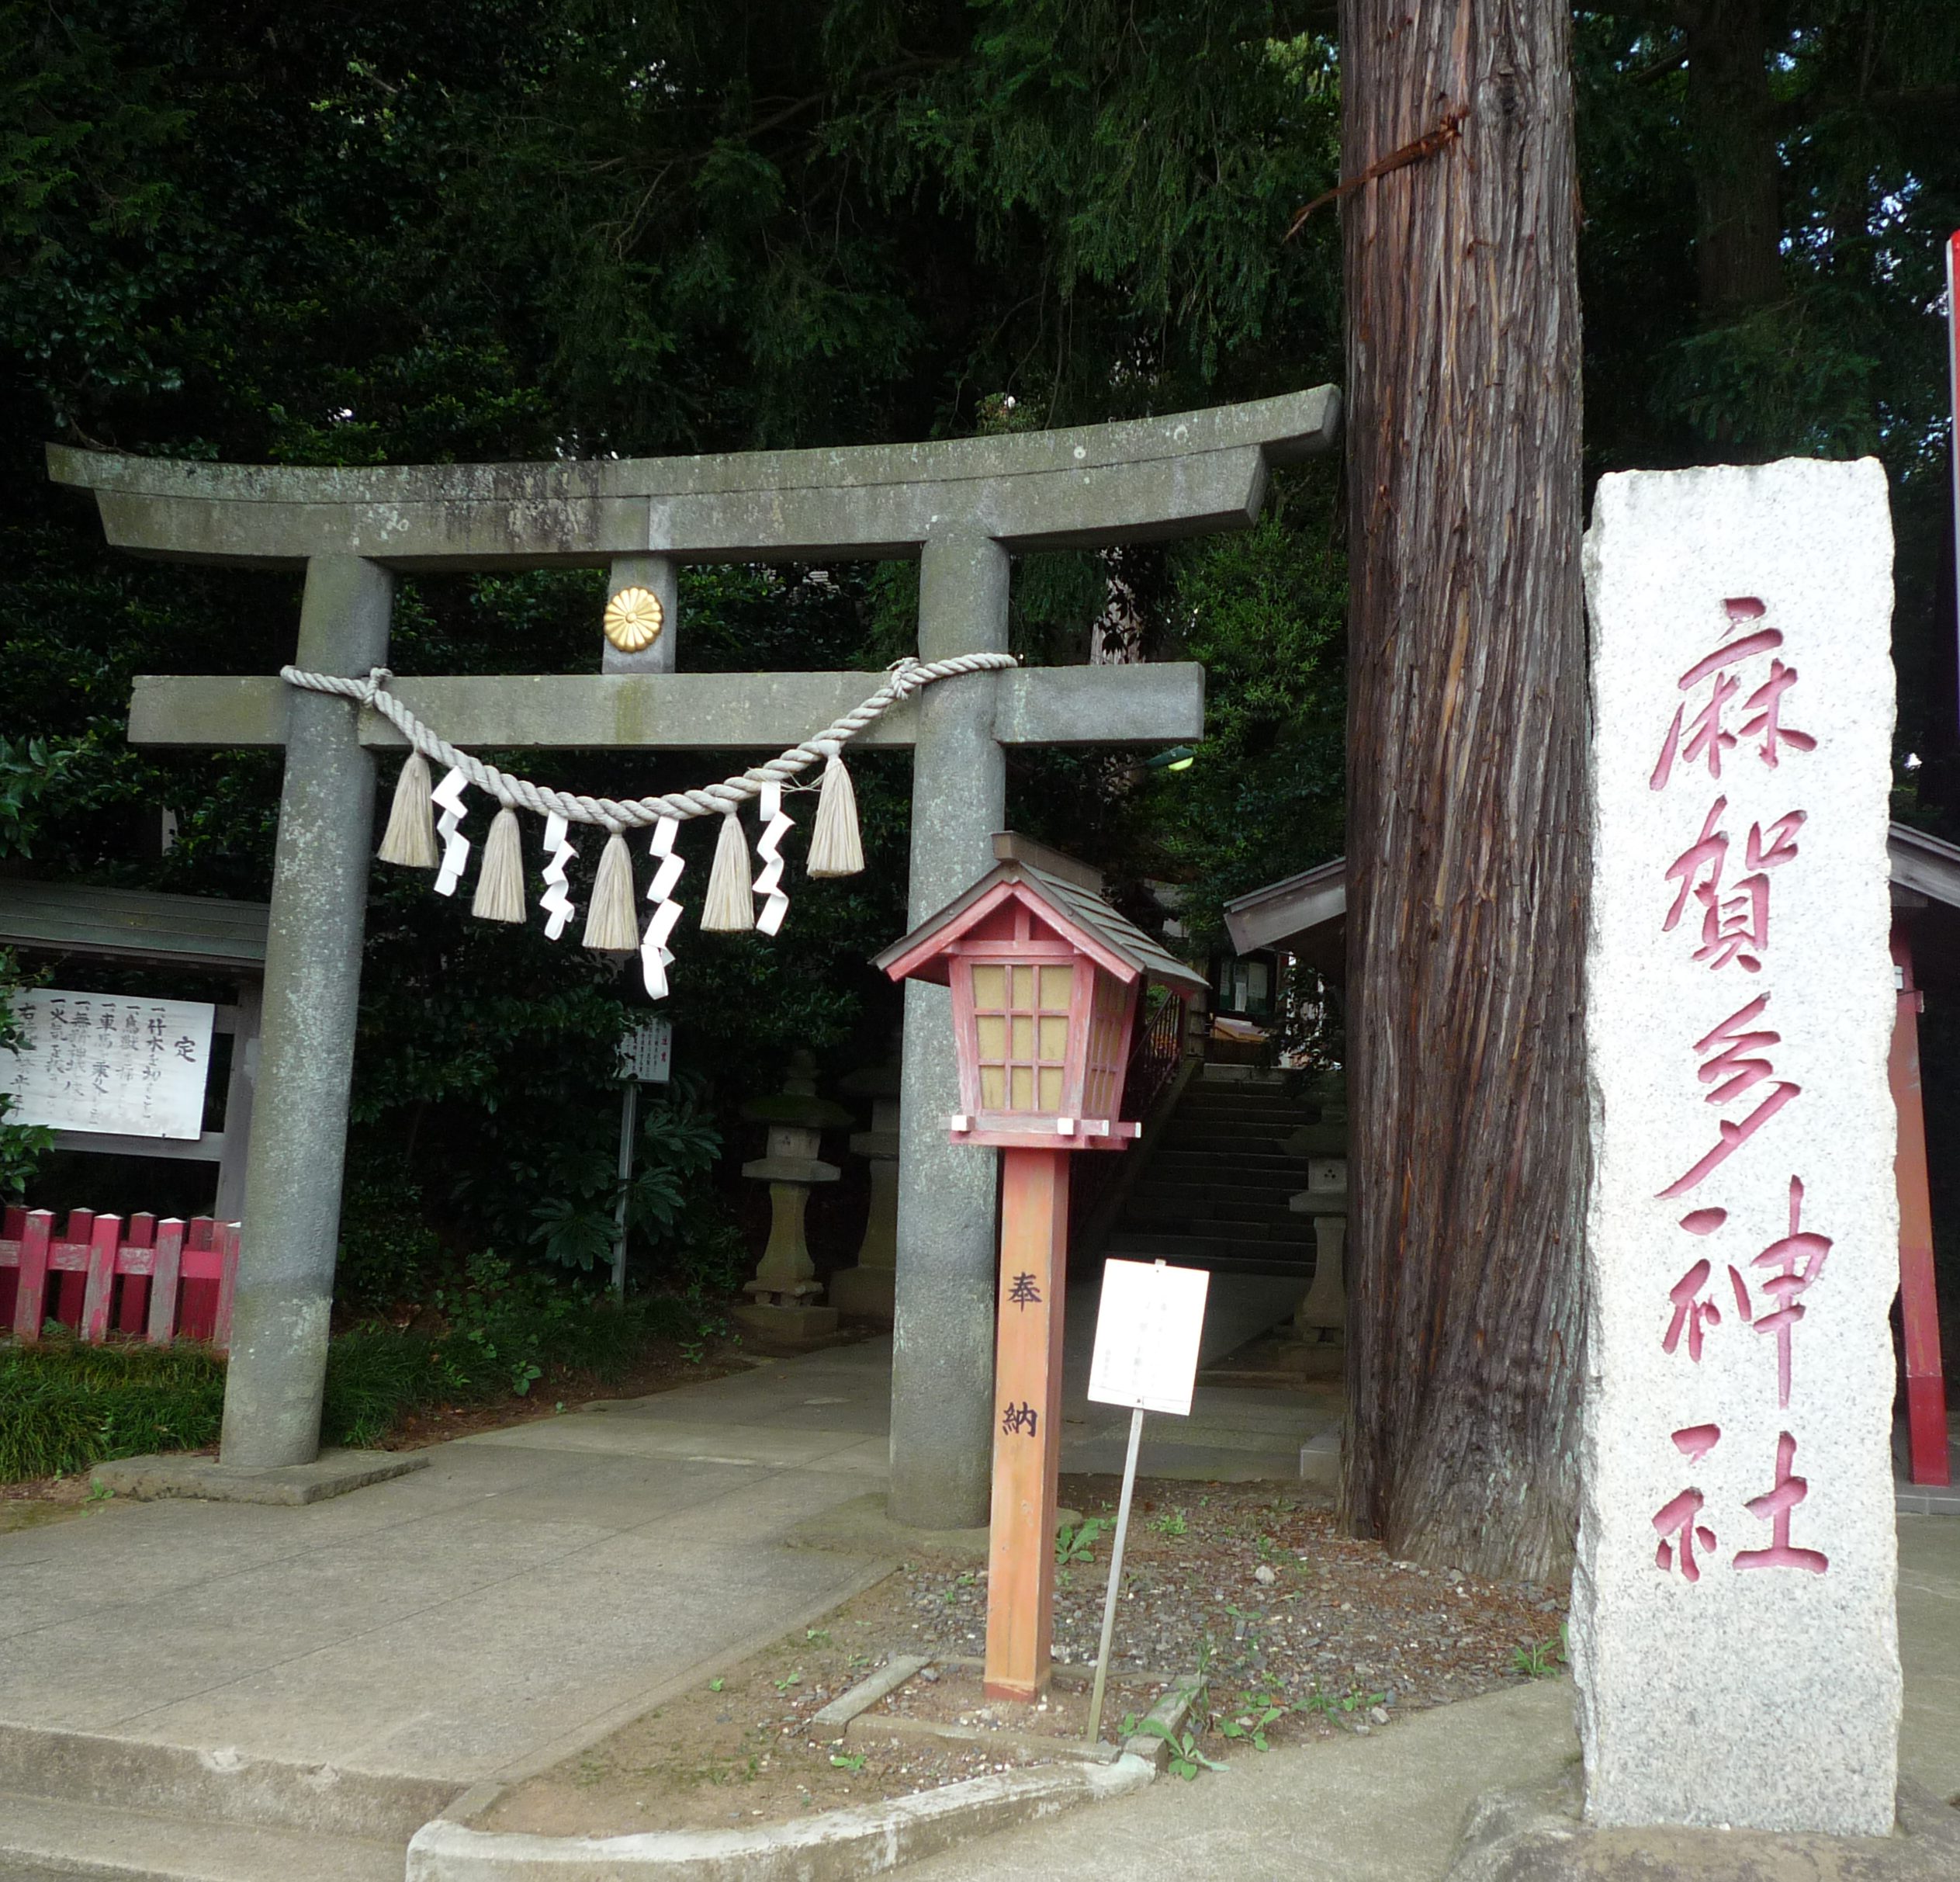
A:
[285,1296]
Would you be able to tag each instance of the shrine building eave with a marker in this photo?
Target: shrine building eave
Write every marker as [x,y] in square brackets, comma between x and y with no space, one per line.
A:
[1139,480]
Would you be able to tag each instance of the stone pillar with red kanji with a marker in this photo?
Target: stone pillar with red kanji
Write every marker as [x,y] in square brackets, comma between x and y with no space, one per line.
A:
[1734,1631]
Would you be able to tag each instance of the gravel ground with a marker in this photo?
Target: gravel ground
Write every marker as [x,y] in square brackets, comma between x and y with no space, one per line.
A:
[1257,1590]
[1300,1632]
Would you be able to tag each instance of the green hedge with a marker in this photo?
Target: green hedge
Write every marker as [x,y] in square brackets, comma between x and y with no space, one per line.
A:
[65,1407]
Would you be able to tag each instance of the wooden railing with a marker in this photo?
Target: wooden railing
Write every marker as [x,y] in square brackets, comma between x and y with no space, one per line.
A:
[169,1279]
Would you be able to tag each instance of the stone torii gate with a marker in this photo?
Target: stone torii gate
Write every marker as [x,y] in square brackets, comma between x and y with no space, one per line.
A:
[962,507]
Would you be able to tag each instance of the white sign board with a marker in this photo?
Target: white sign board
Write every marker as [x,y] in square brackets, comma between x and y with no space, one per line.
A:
[646,1052]
[1733,1624]
[109,1063]
[1146,1334]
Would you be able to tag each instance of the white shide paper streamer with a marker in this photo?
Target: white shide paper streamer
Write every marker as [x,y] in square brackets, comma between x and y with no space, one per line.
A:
[455,845]
[654,955]
[554,901]
[768,885]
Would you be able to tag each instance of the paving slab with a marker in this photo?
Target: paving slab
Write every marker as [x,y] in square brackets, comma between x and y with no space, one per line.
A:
[1929,1652]
[333,1473]
[522,1588]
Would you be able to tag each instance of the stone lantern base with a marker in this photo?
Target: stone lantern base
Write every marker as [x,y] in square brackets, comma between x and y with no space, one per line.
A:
[786,1323]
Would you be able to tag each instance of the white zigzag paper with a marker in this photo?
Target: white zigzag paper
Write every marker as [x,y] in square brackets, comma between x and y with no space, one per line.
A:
[455,845]
[655,956]
[768,885]
[554,901]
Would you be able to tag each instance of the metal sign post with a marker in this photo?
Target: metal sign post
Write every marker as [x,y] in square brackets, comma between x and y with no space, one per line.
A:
[1147,1331]
[645,1056]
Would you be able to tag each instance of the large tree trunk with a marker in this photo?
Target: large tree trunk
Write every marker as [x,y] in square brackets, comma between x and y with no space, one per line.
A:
[1467,840]
[1732,137]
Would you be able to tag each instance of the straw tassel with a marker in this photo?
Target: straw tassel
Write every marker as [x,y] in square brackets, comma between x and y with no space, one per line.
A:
[834,846]
[499,882]
[411,836]
[612,920]
[730,908]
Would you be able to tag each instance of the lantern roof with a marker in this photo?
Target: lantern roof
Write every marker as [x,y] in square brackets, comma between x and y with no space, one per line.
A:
[1071,907]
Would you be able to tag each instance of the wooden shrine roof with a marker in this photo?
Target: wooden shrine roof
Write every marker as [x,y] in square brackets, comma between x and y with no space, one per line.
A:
[1075,904]
[133,925]
[1306,914]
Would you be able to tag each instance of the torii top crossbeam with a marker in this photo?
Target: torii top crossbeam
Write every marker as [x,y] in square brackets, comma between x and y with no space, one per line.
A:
[1147,479]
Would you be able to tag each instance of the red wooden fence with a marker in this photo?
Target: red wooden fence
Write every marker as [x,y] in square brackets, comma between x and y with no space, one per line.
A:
[169,1280]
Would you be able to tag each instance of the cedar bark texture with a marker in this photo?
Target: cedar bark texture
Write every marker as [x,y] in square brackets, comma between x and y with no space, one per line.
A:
[1738,220]
[1467,846]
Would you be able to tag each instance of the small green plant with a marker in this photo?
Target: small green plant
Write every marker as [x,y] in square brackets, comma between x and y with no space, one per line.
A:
[1171,1523]
[1077,1543]
[715,1686]
[1546,1660]
[1249,1719]
[849,1761]
[1332,1706]
[99,1493]
[1186,1759]
[817,1637]
[783,1686]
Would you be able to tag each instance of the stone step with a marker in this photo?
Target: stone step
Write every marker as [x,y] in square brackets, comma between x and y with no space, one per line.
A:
[1266,1197]
[1227,1140]
[1241,1167]
[58,1836]
[1138,1222]
[1272,1207]
[1273,1111]
[1294,1229]
[1218,1253]
[183,1781]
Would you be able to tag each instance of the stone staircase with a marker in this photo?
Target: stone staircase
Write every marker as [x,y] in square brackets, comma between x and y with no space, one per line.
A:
[1214,1191]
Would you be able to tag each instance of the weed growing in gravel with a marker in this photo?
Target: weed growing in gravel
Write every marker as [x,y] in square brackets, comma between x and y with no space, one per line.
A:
[1249,1719]
[1332,1706]
[1077,1543]
[1186,1760]
[1546,1660]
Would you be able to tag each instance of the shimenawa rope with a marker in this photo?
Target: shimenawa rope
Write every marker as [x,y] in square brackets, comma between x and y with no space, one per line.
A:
[908,676]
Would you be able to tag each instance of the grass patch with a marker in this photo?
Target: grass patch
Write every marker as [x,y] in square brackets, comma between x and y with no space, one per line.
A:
[65,1407]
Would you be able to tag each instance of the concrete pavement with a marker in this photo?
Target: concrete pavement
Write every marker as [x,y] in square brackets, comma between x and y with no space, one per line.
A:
[539,1585]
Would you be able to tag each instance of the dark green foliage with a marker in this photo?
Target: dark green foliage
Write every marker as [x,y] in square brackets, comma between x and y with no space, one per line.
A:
[503,1332]
[494,230]
[64,1406]
[1843,353]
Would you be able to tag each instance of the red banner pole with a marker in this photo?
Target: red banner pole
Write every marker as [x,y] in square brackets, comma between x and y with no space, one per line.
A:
[1919,1306]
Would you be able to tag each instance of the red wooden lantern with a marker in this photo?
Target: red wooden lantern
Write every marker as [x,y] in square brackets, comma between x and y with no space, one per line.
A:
[1046,978]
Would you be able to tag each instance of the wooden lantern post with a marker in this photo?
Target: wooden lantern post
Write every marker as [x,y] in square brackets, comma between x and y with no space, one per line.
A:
[1027,1438]
[1046,979]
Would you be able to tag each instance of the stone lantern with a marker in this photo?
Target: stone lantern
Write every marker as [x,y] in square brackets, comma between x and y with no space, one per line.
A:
[785,1297]
[1323,1313]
